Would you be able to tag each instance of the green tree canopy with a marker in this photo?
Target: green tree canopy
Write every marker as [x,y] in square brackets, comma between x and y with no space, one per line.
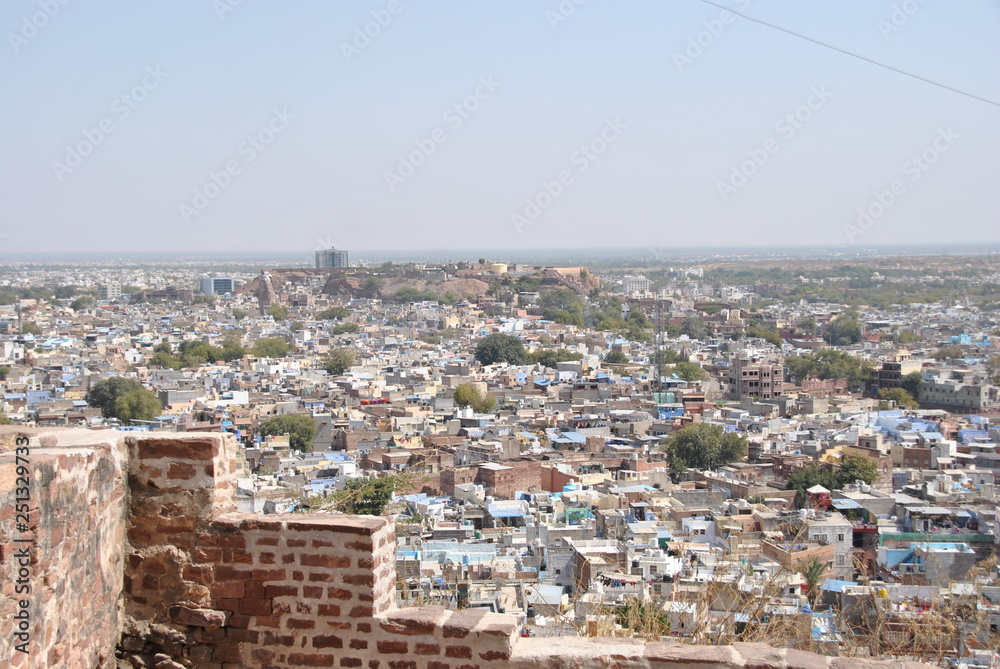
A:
[345,328]
[694,327]
[466,395]
[104,394]
[898,395]
[703,446]
[300,428]
[137,405]
[278,312]
[616,357]
[911,383]
[843,330]
[240,314]
[550,357]
[338,360]
[829,363]
[28,327]
[81,303]
[768,335]
[270,347]
[332,314]
[857,468]
[689,371]
[500,348]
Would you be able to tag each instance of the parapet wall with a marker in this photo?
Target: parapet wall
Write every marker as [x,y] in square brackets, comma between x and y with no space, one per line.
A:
[139,552]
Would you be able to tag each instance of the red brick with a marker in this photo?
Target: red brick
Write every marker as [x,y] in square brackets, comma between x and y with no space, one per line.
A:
[303,660]
[329,641]
[350,662]
[338,593]
[359,579]
[312,592]
[281,591]
[255,607]
[295,543]
[320,577]
[329,610]
[426,649]
[300,624]
[462,652]
[269,574]
[394,647]
[266,541]
[359,644]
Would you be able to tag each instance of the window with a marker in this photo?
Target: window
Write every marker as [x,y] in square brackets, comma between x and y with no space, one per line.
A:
[840,538]
[820,537]
[840,560]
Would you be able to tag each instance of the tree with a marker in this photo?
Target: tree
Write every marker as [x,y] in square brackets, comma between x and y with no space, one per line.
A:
[829,363]
[270,347]
[907,337]
[807,477]
[366,496]
[466,395]
[31,328]
[857,468]
[694,327]
[616,358]
[562,306]
[332,314]
[843,330]
[300,428]
[552,357]
[277,312]
[232,349]
[703,446]
[296,325]
[761,332]
[137,406]
[993,369]
[911,383]
[4,420]
[345,328]
[813,572]
[81,303]
[689,371]
[500,348]
[899,396]
[240,314]
[104,394]
[337,361]
[948,353]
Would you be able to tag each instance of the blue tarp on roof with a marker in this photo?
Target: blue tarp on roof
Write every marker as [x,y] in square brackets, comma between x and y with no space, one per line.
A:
[845,504]
[503,512]
[833,585]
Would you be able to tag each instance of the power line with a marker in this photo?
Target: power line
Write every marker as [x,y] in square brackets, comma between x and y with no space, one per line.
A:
[853,55]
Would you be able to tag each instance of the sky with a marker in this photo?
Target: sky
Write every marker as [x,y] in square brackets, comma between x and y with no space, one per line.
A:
[252,125]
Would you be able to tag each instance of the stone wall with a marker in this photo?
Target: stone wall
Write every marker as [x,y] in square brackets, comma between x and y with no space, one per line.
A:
[140,553]
[77,516]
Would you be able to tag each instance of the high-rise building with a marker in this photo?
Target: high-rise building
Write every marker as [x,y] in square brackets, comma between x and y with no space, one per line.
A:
[331,257]
[218,285]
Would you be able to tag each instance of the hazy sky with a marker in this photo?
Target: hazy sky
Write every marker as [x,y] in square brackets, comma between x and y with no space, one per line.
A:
[627,124]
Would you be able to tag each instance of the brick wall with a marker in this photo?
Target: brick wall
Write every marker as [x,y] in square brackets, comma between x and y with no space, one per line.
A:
[139,547]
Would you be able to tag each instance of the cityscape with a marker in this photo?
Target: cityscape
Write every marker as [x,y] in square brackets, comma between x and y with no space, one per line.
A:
[512,335]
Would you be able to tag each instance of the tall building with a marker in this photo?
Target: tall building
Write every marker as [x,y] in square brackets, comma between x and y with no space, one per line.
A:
[761,376]
[331,257]
[218,285]
[109,291]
